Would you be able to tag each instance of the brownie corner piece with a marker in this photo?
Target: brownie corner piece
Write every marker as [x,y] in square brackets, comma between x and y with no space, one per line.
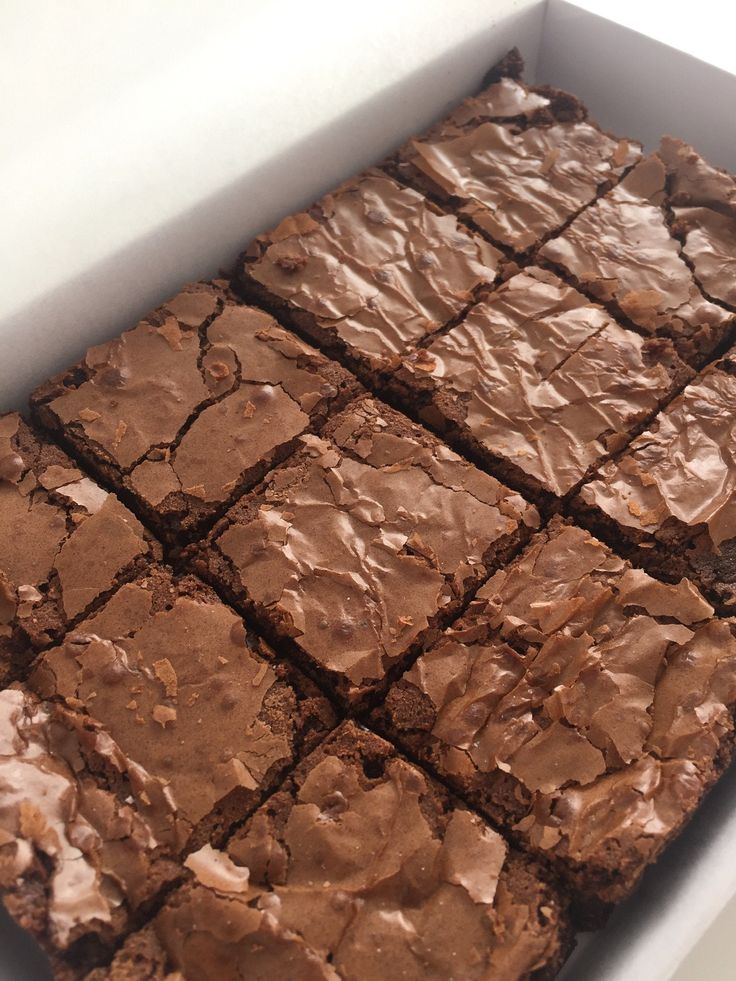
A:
[79,864]
[360,866]
[363,544]
[192,406]
[369,270]
[184,695]
[65,543]
[658,250]
[670,499]
[581,704]
[539,383]
[515,162]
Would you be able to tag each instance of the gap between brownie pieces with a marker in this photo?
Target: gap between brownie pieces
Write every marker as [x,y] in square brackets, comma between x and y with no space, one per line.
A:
[685,345]
[19,666]
[350,700]
[453,204]
[667,563]
[679,237]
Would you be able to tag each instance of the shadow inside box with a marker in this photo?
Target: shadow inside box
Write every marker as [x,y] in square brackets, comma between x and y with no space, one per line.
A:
[22,958]
[53,331]
[687,885]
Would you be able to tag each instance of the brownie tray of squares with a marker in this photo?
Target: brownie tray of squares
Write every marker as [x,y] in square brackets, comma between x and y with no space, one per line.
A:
[370,610]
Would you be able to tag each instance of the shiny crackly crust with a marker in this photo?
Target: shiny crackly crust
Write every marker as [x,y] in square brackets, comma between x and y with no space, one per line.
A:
[540,383]
[369,270]
[364,543]
[359,866]
[671,497]
[582,704]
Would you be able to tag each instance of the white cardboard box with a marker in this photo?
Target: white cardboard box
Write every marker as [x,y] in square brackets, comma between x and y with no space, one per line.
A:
[141,150]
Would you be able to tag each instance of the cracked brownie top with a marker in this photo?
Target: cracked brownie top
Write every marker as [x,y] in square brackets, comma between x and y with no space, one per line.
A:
[193,404]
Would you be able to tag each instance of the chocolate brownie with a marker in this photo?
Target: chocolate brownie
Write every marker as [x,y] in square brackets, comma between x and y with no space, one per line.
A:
[670,500]
[198,706]
[363,544]
[540,384]
[369,270]
[79,864]
[626,250]
[581,704]
[191,407]
[360,867]
[517,163]
[65,544]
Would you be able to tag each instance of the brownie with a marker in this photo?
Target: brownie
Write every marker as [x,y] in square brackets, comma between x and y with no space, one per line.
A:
[79,864]
[540,384]
[516,163]
[363,544]
[366,272]
[191,407]
[206,718]
[359,867]
[626,250]
[670,500]
[65,544]
[581,704]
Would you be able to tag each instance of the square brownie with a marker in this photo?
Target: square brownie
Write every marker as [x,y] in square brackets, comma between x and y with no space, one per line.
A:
[79,863]
[540,384]
[359,867]
[368,271]
[191,407]
[363,544]
[516,163]
[65,544]
[670,500]
[194,708]
[656,250]
[581,704]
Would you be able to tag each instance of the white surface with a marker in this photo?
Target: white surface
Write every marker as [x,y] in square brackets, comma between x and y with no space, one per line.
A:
[141,149]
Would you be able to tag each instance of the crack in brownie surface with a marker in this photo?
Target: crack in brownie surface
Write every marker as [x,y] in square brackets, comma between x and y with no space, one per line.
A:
[65,543]
[582,704]
[540,382]
[370,270]
[362,542]
[192,405]
[360,867]
[625,251]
